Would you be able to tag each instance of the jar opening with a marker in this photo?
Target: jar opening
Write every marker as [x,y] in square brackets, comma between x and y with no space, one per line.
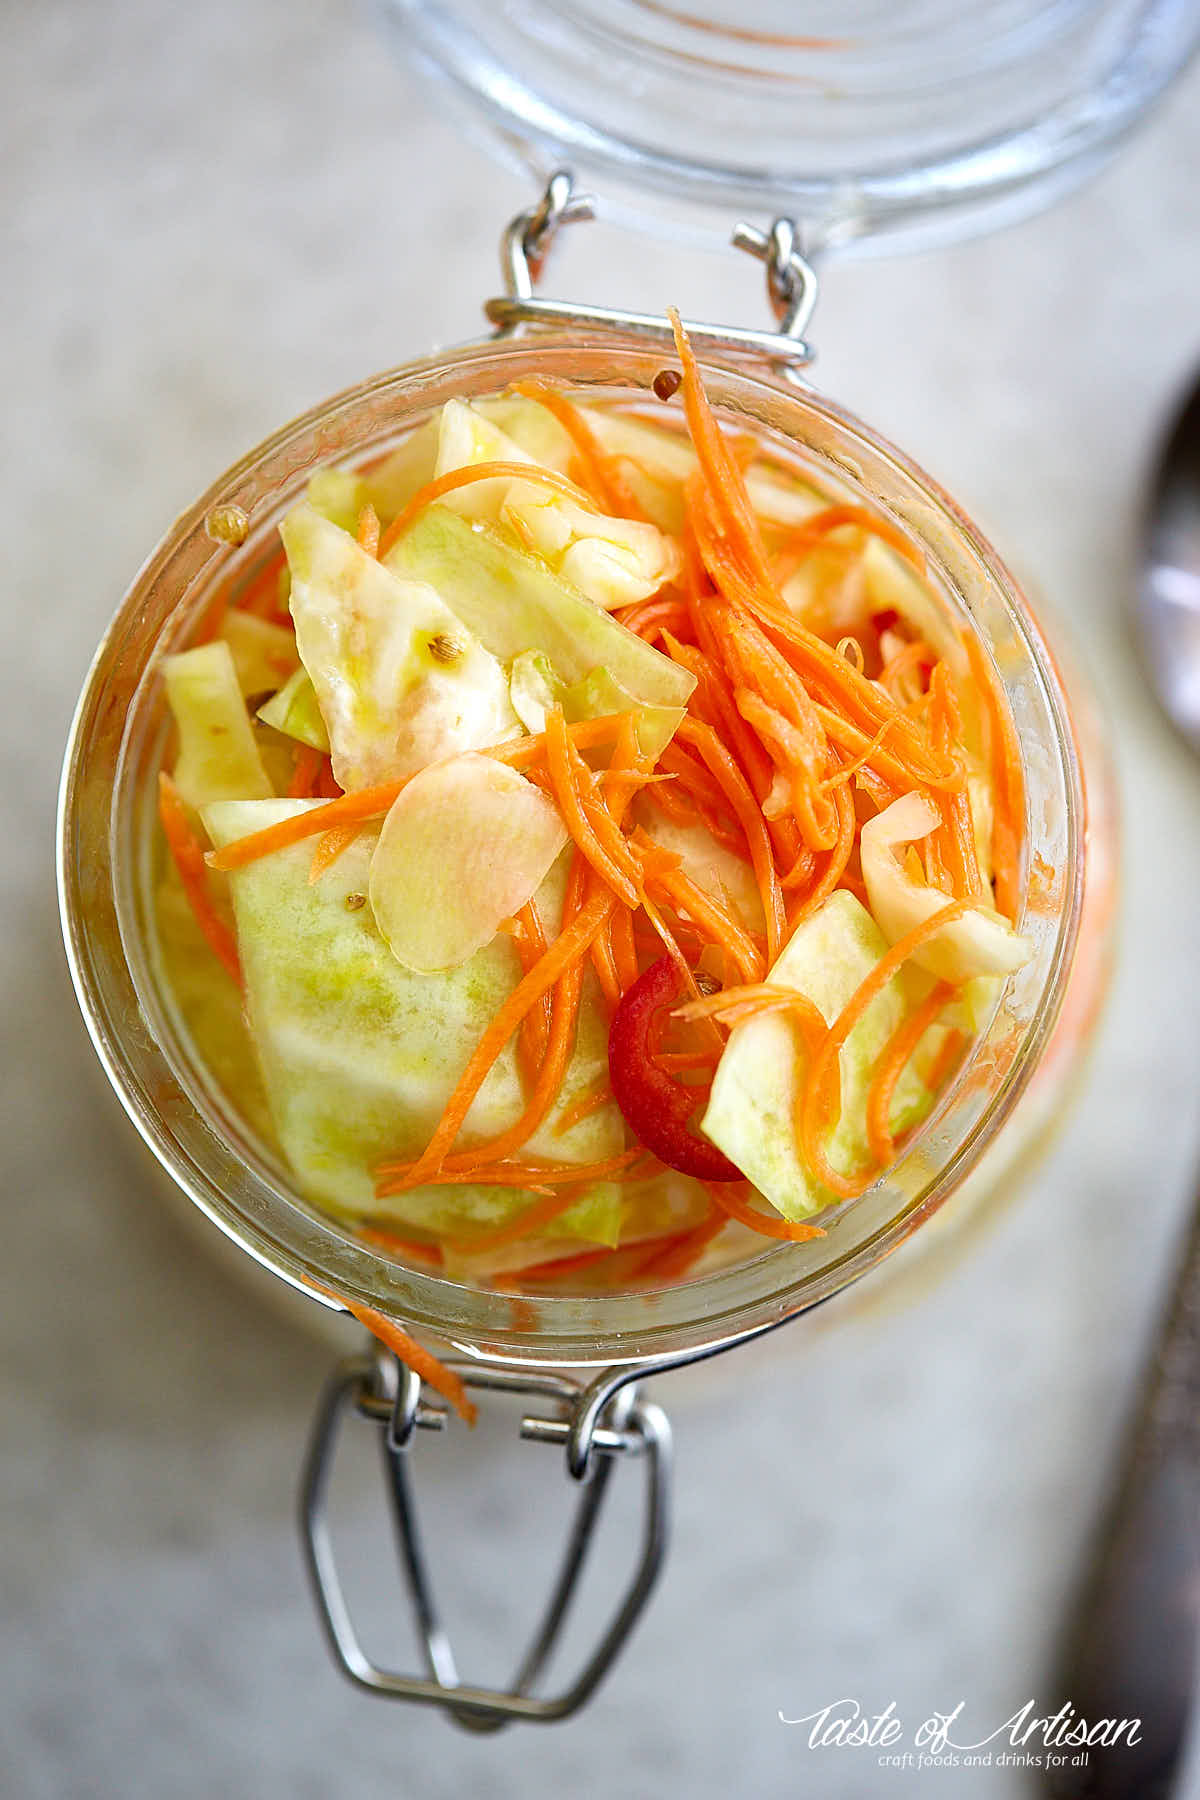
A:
[207,1144]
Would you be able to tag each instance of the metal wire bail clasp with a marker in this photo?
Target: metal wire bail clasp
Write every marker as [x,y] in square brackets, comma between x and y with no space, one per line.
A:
[599,1425]
[791,287]
[791,278]
[529,237]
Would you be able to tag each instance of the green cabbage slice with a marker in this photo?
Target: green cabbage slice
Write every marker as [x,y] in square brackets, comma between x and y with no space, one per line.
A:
[400,682]
[750,1114]
[339,495]
[264,654]
[294,712]
[218,756]
[359,1055]
[513,603]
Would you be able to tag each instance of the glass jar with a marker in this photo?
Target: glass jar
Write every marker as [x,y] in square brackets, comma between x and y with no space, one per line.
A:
[108,818]
[580,1352]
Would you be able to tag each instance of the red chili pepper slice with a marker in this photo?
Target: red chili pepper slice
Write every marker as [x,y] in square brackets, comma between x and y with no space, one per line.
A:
[656,1108]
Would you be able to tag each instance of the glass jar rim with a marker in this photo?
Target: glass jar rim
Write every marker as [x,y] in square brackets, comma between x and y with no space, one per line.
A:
[97,889]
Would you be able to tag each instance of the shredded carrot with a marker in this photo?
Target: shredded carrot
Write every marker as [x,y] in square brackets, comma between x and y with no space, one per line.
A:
[367,530]
[422,1362]
[673,1062]
[626,764]
[800,876]
[722,474]
[306,769]
[330,845]
[812,1096]
[947,1056]
[891,775]
[534,1034]
[672,1260]
[560,1043]
[844,773]
[350,809]
[515,1172]
[559,1046]
[715,921]
[599,813]
[618,933]
[373,802]
[670,941]
[743,745]
[807,536]
[672,805]
[551,1268]
[603,471]
[761,667]
[189,860]
[839,856]
[567,793]
[630,781]
[915,656]
[401,1245]
[730,1005]
[647,617]
[484,471]
[730,1201]
[566,950]
[703,791]
[591,1100]
[624,946]
[1007,780]
[542,1212]
[260,595]
[892,1062]
[953,843]
[733,552]
[736,790]
[605,967]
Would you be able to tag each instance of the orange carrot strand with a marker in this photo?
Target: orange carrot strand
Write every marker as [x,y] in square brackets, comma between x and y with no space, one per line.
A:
[534,1032]
[766,1224]
[1008,783]
[414,1356]
[806,537]
[330,845]
[812,1091]
[306,769]
[367,530]
[484,471]
[736,789]
[892,1062]
[189,860]
[603,471]
[567,948]
[591,1100]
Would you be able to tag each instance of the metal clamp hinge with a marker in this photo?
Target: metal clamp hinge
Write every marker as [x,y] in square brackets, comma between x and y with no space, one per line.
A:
[596,1424]
[791,287]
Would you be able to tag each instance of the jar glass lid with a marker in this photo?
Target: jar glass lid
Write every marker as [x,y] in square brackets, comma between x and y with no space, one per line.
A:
[871,124]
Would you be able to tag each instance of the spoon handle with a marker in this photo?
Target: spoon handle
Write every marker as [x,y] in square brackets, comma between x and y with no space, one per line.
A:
[1134,1646]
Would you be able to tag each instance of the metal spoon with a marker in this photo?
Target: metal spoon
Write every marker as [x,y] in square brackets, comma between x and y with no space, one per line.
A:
[1132,1650]
[1168,592]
